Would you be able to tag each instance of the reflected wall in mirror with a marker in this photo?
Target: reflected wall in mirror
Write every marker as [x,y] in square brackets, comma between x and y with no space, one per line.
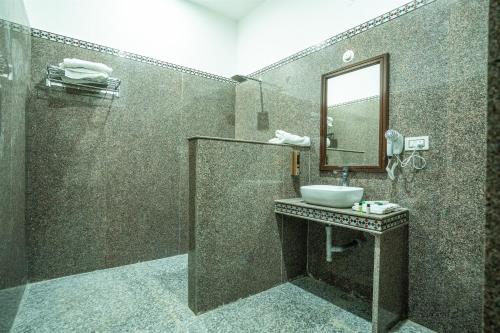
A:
[354,116]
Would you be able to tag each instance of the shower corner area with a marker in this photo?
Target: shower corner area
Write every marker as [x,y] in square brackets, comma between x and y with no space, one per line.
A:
[15,72]
[106,179]
[151,207]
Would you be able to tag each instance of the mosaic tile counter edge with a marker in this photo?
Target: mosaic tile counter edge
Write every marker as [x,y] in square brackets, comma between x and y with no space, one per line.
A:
[342,217]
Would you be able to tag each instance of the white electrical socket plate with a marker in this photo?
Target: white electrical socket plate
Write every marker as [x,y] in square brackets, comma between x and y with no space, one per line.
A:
[417,143]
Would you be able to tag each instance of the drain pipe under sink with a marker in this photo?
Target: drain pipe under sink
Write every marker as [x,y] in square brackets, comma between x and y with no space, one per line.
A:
[330,248]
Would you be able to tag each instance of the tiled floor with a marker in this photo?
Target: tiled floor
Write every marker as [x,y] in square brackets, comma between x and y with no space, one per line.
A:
[152,297]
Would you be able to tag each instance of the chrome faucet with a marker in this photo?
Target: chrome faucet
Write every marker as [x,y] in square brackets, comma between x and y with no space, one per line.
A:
[345,177]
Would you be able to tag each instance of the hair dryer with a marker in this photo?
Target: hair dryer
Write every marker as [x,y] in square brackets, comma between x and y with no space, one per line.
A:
[395,142]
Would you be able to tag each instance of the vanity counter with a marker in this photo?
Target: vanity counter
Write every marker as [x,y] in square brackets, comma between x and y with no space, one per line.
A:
[344,217]
[390,253]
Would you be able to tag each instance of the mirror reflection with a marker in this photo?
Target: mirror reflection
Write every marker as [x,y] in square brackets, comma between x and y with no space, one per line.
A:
[353,116]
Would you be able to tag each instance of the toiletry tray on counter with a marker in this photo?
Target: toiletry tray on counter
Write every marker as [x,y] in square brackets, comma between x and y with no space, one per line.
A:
[55,79]
[344,217]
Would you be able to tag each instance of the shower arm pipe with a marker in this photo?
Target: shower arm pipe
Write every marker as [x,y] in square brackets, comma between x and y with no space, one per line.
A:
[260,90]
[242,78]
[261,97]
[250,78]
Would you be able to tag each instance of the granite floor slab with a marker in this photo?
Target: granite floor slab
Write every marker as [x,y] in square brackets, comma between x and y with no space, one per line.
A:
[152,297]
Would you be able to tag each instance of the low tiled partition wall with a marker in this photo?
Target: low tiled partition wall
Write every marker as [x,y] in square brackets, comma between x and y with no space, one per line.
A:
[237,245]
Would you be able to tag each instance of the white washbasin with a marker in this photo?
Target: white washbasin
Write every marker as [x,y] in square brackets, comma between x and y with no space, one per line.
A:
[332,196]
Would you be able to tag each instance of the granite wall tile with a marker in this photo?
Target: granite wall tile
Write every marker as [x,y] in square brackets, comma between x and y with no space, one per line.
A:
[492,258]
[238,246]
[294,247]
[14,81]
[202,103]
[391,286]
[437,88]
[65,186]
[106,178]
[142,170]
[14,91]
[294,231]
[462,234]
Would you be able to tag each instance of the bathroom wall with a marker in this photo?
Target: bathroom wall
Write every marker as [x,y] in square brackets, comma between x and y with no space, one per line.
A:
[298,24]
[438,56]
[107,178]
[176,31]
[14,87]
[238,246]
[179,31]
[492,260]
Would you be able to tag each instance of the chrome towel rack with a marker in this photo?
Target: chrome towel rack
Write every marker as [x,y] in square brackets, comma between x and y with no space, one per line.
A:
[55,79]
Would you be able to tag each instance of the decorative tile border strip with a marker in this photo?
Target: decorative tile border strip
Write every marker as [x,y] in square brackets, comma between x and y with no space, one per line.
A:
[128,55]
[384,18]
[389,16]
[342,219]
[111,51]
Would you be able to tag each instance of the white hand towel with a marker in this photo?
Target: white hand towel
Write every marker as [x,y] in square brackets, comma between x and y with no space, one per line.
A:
[85,74]
[94,66]
[329,121]
[277,141]
[283,137]
[383,209]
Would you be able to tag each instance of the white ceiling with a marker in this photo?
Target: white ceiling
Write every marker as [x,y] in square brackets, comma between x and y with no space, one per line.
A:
[235,9]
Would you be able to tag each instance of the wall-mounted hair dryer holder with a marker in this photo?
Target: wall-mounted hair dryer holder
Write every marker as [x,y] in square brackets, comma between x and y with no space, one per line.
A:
[395,147]
[395,142]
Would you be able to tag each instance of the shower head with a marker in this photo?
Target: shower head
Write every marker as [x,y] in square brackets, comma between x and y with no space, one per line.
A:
[242,78]
[239,78]
[262,117]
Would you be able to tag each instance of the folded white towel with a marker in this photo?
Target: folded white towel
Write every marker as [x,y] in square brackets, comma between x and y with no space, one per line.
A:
[283,137]
[329,121]
[383,209]
[85,74]
[78,63]
[377,207]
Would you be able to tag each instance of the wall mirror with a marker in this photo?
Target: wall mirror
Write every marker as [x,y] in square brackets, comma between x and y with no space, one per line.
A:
[354,116]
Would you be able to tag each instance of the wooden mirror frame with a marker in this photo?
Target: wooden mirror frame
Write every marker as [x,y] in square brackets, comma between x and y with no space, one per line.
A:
[383,61]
